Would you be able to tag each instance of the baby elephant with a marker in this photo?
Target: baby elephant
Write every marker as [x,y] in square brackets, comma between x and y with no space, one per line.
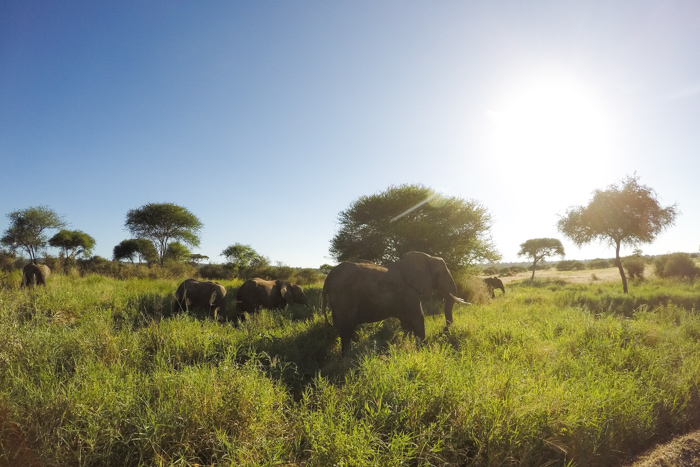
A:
[494,283]
[258,293]
[35,274]
[204,295]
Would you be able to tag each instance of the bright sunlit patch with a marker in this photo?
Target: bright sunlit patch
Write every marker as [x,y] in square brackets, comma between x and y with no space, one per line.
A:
[546,125]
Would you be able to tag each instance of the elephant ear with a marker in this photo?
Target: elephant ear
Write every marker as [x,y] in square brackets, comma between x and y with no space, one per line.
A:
[415,270]
[285,289]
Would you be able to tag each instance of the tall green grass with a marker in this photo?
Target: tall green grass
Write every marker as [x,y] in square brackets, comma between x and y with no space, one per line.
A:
[96,371]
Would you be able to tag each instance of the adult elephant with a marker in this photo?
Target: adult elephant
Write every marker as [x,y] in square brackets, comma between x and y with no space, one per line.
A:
[364,293]
[274,295]
[205,295]
[35,274]
[494,283]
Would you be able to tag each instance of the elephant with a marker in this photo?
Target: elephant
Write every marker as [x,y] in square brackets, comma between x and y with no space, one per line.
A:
[205,295]
[494,283]
[35,274]
[360,293]
[274,295]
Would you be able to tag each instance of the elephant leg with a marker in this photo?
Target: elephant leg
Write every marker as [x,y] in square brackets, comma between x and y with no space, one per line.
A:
[345,340]
[419,328]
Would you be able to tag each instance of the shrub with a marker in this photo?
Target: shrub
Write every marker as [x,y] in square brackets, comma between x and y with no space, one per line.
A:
[570,265]
[98,265]
[634,265]
[472,289]
[489,271]
[217,272]
[307,276]
[505,272]
[676,265]
[517,269]
[599,263]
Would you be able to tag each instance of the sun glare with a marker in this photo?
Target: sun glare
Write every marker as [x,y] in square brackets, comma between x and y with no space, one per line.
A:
[547,124]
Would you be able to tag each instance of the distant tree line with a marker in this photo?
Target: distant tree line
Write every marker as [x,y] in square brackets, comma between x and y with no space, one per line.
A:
[379,228]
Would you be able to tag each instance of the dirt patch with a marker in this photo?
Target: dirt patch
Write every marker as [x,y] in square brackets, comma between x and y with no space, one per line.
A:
[683,451]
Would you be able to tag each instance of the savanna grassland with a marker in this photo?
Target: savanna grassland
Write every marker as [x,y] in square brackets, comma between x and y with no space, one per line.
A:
[98,371]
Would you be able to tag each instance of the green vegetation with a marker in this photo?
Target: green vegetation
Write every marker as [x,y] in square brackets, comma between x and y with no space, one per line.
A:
[539,249]
[570,265]
[382,228]
[27,229]
[628,214]
[679,265]
[96,371]
[162,223]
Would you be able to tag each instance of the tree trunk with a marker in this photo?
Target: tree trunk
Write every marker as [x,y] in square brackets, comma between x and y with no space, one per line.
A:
[534,266]
[619,266]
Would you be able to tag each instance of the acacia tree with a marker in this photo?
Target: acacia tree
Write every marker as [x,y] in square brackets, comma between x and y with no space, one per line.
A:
[537,249]
[73,243]
[135,247]
[177,252]
[383,227]
[27,227]
[162,223]
[628,214]
[241,256]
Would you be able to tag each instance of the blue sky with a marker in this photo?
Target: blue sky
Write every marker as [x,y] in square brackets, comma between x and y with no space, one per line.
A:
[266,119]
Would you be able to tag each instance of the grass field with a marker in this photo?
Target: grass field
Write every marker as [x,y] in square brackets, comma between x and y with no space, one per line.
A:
[95,371]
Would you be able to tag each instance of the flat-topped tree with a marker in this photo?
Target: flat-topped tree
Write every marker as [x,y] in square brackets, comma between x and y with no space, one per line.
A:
[537,249]
[73,243]
[625,214]
[27,229]
[162,223]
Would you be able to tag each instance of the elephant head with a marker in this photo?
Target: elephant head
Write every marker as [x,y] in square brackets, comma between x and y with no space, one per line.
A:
[292,293]
[426,274]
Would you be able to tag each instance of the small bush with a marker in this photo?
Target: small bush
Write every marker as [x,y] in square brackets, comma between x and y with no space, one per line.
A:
[505,272]
[570,265]
[634,265]
[517,269]
[599,263]
[489,271]
[217,272]
[472,289]
[307,276]
[678,265]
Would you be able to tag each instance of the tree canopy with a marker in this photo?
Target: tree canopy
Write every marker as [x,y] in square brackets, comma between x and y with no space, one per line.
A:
[163,223]
[73,243]
[243,256]
[141,248]
[177,252]
[537,249]
[625,214]
[27,229]
[382,228]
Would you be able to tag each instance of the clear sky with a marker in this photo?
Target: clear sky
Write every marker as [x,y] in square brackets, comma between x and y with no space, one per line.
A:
[267,119]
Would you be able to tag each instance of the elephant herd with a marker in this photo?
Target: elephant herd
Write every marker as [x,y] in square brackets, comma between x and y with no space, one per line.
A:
[356,293]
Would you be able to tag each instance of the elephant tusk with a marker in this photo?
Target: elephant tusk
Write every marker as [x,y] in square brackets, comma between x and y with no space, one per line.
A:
[459,300]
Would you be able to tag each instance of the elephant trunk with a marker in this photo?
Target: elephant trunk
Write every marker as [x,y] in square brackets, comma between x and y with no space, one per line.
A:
[449,304]
[450,289]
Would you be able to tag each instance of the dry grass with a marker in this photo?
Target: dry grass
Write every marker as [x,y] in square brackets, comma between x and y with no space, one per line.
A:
[585,276]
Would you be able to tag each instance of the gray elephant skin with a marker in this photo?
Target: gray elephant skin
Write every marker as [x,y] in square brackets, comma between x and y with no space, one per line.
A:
[205,295]
[35,274]
[494,283]
[274,295]
[364,293]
